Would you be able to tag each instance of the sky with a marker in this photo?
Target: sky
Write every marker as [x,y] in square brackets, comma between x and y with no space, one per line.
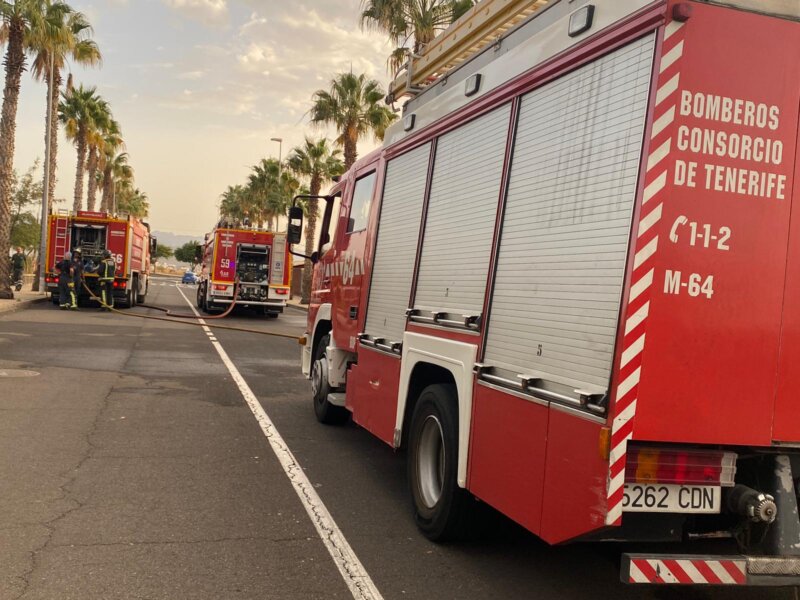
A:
[200,87]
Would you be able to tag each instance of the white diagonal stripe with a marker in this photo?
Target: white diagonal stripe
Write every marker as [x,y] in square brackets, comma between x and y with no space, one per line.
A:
[656,186]
[660,568]
[659,154]
[629,383]
[670,57]
[645,253]
[720,571]
[617,482]
[653,217]
[632,351]
[618,453]
[625,416]
[636,575]
[672,28]
[662,122]
[640,286]
[695,575]
[665,91]
[614,513]
[636,318]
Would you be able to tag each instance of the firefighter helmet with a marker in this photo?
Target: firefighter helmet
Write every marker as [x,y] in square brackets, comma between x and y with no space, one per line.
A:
[106,253]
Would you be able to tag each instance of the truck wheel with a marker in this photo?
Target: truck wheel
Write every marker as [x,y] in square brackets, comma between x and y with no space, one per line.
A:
[130,296]
[200,297]
[326,412]
[440,507]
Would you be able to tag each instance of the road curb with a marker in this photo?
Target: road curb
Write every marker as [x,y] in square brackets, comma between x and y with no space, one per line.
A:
[303,309]
[18,305]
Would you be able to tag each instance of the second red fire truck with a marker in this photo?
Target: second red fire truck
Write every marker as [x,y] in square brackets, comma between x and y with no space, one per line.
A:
[127,238]
[257,263]
[569,285]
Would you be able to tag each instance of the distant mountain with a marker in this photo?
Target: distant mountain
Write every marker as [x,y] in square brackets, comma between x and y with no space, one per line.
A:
[174,240]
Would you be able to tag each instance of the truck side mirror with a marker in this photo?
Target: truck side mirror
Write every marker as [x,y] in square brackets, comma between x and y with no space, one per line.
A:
[294,232]
[198,254]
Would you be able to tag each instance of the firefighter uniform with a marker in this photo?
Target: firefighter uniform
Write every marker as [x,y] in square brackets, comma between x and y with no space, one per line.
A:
[105,275]
[77,275]
[66,286]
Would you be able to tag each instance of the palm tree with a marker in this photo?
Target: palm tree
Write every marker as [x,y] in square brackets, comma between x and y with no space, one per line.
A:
[115,169]
[234,203]
[353,104]
[105,128]
[410,21]
[262,178]
[68,38]
[319,162]
[78,112]
[19,23]
[132,201]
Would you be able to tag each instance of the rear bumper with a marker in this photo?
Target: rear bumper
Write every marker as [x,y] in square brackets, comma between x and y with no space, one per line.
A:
[276,304]
[674,569]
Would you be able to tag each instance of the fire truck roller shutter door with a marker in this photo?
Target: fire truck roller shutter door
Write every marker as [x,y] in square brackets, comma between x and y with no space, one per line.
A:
[401,213]
[461,215]
[564,243]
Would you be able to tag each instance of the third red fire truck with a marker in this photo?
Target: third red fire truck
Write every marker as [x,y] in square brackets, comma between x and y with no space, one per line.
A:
[569,284]
[254,261]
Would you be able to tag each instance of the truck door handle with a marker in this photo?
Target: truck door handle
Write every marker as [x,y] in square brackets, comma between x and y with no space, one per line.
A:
[353,312]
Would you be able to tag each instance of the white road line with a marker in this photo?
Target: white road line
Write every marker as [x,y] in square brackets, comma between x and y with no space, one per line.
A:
[353,572]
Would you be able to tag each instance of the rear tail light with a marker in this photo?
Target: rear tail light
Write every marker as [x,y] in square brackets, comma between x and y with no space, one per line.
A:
[282,291]
[680,467]
[220,288]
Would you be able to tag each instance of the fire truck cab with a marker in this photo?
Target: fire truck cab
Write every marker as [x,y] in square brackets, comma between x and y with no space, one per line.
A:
[568,283]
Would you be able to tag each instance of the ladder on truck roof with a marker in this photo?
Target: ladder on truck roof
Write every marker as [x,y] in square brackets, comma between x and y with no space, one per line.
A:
[61,234]
[480,27]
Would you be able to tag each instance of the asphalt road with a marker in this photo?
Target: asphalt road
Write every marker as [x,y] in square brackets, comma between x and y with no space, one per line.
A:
[132,467]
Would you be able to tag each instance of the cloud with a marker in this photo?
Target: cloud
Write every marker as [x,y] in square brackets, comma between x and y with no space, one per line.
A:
[192,75]
[210,12]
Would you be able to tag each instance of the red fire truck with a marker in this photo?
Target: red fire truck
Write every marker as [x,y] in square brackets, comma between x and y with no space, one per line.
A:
[127,238]
[257,261]
[569,285]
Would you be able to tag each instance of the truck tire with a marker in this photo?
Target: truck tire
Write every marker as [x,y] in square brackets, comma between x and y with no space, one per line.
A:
[200,297]
[441,508]
[325,412]
[130,295]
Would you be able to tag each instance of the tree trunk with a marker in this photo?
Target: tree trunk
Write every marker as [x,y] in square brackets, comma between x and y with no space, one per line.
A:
[14,66]
[350,147]
[76,205]
[54,94]
[108,184]
[311,229]
[91,169]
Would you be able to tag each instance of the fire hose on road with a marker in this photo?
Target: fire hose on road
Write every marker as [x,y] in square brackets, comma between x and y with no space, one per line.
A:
[176,317]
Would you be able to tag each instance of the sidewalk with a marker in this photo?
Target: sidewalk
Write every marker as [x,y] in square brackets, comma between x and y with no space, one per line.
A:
[295,303]
[21,300]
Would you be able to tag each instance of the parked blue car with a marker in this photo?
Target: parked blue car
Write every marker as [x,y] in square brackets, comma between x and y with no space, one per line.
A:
[189,277]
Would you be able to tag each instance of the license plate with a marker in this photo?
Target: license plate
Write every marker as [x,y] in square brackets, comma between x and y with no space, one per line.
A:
[670,498]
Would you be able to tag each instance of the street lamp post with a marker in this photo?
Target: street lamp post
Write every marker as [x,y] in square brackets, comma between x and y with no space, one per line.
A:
[38,282]
[280,166]
[280,153]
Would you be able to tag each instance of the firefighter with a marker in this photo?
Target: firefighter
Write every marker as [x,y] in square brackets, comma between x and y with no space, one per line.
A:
[66,285]
[17,268]
[105,274]
[77,275]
